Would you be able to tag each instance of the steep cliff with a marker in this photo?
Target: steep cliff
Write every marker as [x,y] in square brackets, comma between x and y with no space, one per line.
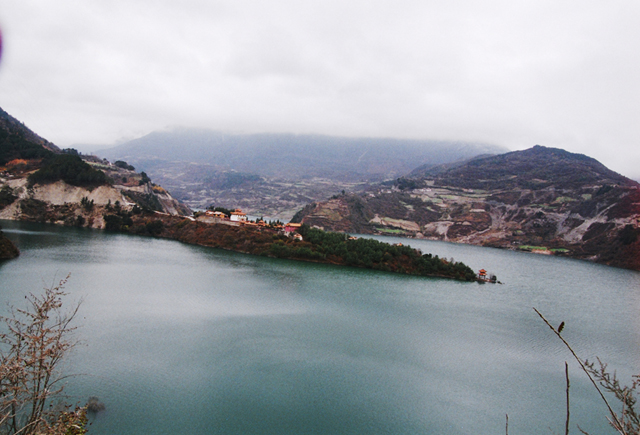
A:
[65,204]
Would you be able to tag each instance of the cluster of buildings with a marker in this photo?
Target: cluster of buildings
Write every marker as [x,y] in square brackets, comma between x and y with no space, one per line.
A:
[237,218]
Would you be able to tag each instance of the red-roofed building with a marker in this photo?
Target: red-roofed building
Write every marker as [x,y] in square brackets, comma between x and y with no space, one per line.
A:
[291,227]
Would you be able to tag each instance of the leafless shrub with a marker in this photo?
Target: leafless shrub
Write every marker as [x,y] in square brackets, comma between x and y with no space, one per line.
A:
[627,421]
[33,342]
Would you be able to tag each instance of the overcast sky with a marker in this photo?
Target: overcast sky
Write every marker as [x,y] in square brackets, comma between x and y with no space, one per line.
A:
[514,73]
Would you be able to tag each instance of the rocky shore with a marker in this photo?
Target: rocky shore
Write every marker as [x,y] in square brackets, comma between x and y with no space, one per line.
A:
[7,249]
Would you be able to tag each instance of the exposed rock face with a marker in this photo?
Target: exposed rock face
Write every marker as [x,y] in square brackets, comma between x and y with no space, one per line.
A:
[544,199]
[32,171]
[78,206]
[60,193]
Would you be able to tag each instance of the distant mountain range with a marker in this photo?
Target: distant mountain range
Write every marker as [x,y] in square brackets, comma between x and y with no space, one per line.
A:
[276,174]
[544,200]
[289,156]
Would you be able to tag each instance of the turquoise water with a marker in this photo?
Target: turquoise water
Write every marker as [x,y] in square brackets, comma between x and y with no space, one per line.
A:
[184,339]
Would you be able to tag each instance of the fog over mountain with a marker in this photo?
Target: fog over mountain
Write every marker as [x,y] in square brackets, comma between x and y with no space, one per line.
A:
[277,174]
[291,156]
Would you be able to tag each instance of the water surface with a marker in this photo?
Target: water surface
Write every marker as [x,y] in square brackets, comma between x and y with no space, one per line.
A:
[185,339]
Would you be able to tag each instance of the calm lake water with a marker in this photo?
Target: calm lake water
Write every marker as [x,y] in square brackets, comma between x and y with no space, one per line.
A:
[185,339]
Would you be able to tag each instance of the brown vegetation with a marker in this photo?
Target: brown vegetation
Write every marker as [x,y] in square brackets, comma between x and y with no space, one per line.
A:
[33,342]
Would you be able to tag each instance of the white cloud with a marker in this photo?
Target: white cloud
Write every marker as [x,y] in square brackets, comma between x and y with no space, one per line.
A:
[557,73]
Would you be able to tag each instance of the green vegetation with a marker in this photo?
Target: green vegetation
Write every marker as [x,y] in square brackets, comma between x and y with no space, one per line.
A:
[35,209]
[119,219]
[6,196]
[117,222]
[86,204]
[154,227]
[317,245]
[123,165]
[374,254]
[563,199]
[404,183]
[224,210]
[15,145]
[72,151]
[146,201]
[532,248]
[69,168]
[145,178]
[390,230]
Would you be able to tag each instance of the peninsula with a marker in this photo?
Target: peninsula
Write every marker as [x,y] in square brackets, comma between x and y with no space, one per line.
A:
[301,243]
[41,183]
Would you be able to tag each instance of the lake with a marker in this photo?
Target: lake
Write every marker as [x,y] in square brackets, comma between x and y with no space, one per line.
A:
[185,339]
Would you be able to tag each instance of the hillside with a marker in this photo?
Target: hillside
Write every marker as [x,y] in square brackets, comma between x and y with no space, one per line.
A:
[535,168]
[39,182]
[276,174]
[17,141]
[543,200]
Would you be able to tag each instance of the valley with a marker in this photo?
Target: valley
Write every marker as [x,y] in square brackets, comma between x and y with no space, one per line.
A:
[275,175]
[542,200]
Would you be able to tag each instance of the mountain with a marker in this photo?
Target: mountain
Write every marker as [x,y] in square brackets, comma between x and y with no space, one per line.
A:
[291,156]
[276,174]
[544,200]
[535,168]
[17,141]
[40,182]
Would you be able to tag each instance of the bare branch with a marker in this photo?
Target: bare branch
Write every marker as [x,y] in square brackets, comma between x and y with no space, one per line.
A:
[36,340]
[615,422]
[566,374]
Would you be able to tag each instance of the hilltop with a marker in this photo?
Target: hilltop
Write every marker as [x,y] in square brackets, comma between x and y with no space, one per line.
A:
[535,168]
[544,200]
[276,174]
[40,182]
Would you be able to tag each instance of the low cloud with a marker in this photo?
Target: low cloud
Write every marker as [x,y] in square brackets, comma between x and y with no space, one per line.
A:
[555,73]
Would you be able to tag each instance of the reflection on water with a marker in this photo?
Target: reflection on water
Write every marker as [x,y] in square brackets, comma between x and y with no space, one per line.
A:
[184,339]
